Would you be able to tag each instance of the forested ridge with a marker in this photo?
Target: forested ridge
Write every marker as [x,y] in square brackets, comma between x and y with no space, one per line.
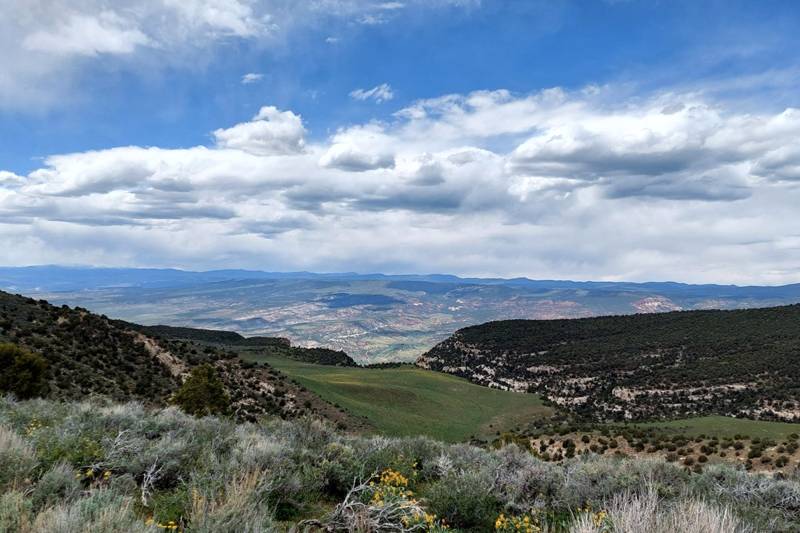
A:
[88,354]
[742,362]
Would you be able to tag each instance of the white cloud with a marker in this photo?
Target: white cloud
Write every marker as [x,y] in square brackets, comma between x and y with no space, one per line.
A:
[270,132]
[89,35]
[252,77]
[380,93]
[551,184]
[9,179]
[45,45]
[373,19]
[360,148]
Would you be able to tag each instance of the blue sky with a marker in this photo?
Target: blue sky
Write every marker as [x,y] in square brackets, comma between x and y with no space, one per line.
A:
[520,46]
[131,122]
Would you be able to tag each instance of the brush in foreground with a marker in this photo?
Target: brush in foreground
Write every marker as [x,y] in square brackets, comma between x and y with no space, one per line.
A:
[120,467]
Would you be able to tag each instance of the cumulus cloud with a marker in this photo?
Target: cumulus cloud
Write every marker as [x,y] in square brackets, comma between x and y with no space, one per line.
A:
[380,93]
[549,184]
[270,132]
[360,148]
[9,179]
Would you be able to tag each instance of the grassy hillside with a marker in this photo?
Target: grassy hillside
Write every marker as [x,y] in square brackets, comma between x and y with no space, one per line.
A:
[412,401]
[668,365]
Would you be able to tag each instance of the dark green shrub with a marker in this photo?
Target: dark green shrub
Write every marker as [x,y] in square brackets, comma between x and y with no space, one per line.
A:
[57,484]
[170,505]
[202,393]
[464,501]
[22,373]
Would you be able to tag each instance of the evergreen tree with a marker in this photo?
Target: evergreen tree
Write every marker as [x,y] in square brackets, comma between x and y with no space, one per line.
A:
[22,373]
[202,393]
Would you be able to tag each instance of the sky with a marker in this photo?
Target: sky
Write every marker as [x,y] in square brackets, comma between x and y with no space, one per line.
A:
[638,140]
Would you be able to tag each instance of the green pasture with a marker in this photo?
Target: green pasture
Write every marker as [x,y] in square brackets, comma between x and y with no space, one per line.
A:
[415,401]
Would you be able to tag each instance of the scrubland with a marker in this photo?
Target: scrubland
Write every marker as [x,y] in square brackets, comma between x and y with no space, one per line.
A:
[102,467]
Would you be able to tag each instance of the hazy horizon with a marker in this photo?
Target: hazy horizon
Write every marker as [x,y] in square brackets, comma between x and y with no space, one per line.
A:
[421,274]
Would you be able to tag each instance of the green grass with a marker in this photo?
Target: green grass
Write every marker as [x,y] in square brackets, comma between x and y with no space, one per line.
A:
[723,426]
[413,401]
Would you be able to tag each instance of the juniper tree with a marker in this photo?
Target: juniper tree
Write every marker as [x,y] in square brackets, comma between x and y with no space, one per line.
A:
[202,393]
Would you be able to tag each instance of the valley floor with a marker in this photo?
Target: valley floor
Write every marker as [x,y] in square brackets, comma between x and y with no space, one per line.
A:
[407,400]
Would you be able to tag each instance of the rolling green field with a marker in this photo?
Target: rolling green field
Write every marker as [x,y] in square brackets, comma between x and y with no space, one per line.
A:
[414,401]
[723,426]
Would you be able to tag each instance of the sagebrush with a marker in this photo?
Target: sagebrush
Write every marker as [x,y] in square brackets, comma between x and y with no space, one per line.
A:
[100,466]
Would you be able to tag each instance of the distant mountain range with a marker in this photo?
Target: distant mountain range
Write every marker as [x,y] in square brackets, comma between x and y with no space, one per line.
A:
[66,278]
[373,317]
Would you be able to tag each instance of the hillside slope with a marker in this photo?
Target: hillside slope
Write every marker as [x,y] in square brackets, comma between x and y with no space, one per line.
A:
[272,346]
[89,354]
[742,363]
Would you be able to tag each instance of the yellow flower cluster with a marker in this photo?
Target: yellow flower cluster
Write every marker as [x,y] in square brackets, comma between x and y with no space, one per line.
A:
[599,518]
[393,478]
[518,524]
[171,525]
[90,475]
[429,520]
[392,486]
[32,427]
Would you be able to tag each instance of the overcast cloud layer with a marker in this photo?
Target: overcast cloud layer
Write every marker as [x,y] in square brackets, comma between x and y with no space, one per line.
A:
[549,185]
